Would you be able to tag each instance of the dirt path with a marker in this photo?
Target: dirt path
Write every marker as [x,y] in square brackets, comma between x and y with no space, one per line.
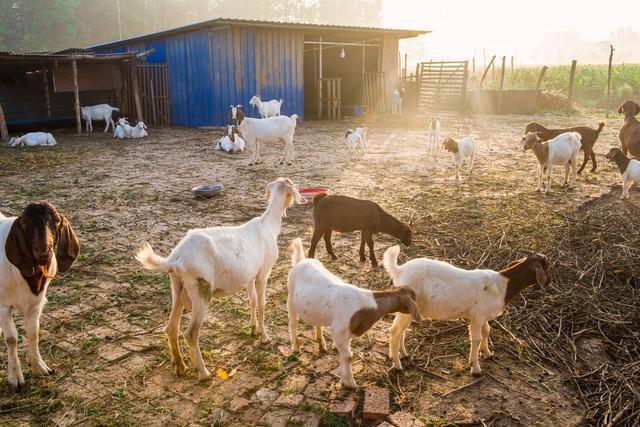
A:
[102,327]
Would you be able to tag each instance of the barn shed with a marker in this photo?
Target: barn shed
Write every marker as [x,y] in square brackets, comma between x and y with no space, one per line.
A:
[318,70]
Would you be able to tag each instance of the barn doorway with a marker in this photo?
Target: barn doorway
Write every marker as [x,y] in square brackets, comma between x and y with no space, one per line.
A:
[341,76]
[154,93]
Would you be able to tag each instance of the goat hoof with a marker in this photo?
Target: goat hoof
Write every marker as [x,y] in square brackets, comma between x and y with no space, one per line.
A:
[487,355]
[204,375]
[15,387]
[477,373]
[181,369]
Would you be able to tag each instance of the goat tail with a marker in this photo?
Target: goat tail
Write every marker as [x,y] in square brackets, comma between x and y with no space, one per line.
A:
[151,261]
[116,108]
[294,117]
[600,126]
[281,101]
[390,262]
[297,251]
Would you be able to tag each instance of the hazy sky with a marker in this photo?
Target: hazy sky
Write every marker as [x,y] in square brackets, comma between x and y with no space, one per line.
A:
[507,27]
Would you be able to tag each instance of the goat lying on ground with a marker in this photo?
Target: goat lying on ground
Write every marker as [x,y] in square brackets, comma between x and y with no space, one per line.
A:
[433,134]
[28,262]
[629,170]
[139,131]
[231,142]
[219,261]
[98,112]
[272,129]
[346,214]
[462,150]
[630,130]
[266,108]
[357,138]
[445,292]
[123,129]
[33,139]
[320,299]
[562,150]
[588,138]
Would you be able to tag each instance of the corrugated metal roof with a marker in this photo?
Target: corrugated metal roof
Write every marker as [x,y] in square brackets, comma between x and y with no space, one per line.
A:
[65,54]
[402,33]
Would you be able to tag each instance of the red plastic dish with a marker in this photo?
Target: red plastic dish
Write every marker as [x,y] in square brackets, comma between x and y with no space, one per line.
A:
[312,191]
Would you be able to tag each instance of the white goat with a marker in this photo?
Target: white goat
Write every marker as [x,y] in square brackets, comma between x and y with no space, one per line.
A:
[123,129]
[139,131]
[462,150]
[219,261]
[433,135]
[32,139]
[561,150]
[231,142]
[28,263]
[98,112]
[266,108]
[629,170]
[272,129]
[396,101]
[357,138]
[320,298]
[446,292]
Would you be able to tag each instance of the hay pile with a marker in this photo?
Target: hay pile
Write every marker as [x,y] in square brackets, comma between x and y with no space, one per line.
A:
[587,323]
[553,101]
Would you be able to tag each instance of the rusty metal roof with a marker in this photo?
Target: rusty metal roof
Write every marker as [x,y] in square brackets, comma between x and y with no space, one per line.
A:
[66,54]
[401,33]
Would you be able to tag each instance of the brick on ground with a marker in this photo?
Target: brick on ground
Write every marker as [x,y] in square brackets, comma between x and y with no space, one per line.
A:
[404,419]
[376,403]
[344,408]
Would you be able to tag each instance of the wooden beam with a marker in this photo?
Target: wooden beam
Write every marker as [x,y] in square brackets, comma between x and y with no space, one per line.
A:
[465,79]
[486,70]
[609,78]
[135,86]
[47,99]
[76,96]
[4,133]
[572,79]
[543,70]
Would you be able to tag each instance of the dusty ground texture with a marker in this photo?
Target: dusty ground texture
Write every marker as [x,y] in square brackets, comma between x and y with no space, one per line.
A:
[102,329]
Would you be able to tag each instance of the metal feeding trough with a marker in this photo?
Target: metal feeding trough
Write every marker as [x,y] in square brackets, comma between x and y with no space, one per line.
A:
[310,192]
[207,191]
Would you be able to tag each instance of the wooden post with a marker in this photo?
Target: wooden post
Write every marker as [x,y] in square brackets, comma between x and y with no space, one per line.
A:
[512,63]
[572,79]
[47,99]
[486,70]
[76,96]
[473,66]
[504,58]
[136,90]
[539,83]
[609,77]
[405,65]
[4,133]
[463,99]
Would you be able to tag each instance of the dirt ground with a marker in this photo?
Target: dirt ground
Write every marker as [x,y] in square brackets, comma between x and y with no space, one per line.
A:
[102,328]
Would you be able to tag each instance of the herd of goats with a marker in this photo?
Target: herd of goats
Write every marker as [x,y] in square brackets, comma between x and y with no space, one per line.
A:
[220,261]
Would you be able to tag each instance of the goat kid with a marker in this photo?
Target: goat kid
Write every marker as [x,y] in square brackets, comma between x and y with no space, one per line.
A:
[433,135]
[629,170]
[346,214]
[33,139]
[396,101]
[320,298]
[98,112]
[231,142]
[630,130]
[446,292]
[139,131]
[562,150]
[462,150]
[266,108]
[28,263]
[123,129]
[219,261]
[357,138]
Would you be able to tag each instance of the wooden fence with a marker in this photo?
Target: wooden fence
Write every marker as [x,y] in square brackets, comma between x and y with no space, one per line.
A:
[442,85]
[374,94]
[154,93]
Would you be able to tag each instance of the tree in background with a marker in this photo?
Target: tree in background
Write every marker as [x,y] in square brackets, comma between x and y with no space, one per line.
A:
[41,25]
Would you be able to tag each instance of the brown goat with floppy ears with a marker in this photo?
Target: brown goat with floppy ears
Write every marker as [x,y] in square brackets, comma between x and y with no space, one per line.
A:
[346,214]
[630,130]
[27,265]
[588,138]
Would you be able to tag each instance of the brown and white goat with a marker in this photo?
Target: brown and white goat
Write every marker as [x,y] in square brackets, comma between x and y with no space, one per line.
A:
[346,214]
[588,138]
[28,262]
[630,130]
[446,292]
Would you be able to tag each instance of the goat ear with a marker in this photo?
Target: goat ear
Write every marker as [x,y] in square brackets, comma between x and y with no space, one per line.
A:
[541,276]
[636,107]
[295,193]
[68,246]
[19,251]
[414,311]
[514,262]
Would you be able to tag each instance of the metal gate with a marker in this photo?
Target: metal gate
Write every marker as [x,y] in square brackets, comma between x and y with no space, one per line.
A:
[442,85]
[154,93]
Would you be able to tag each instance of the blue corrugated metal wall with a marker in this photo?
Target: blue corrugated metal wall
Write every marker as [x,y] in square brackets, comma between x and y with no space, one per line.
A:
[212,69]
